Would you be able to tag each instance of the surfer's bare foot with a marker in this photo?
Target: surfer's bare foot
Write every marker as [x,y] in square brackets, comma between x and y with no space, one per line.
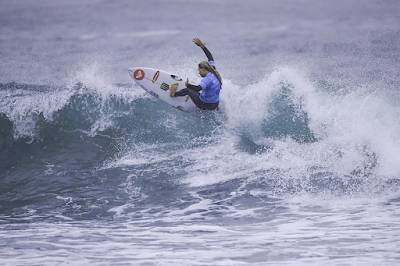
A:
[173,89]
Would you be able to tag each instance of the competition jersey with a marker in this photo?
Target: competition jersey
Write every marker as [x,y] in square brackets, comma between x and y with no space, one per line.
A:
[210,87]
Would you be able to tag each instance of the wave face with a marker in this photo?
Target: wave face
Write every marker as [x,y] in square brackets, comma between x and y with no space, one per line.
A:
[111,155]
[76,150]
[300,166]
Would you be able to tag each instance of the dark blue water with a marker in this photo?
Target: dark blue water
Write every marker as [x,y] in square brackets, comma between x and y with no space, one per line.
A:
[301,165]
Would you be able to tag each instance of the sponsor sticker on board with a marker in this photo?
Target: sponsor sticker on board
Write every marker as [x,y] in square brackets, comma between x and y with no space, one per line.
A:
[138,74]
[156,76]
[164,86]
[154,94]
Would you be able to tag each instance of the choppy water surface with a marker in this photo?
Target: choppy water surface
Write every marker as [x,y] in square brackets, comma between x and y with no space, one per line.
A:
[300,166]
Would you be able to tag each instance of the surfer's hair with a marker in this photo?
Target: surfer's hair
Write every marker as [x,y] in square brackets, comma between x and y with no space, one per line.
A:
[207,66]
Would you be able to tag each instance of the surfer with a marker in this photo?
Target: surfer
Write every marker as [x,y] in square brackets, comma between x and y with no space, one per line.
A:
[210,85]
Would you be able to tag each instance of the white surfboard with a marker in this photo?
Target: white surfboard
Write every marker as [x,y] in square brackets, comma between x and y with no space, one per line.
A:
[158,84]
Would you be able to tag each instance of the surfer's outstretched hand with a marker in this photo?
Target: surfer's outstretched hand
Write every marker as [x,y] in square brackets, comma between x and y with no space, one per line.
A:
[187,82]
[198,42]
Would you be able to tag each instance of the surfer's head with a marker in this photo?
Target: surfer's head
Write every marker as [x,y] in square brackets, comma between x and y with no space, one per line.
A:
[205,67]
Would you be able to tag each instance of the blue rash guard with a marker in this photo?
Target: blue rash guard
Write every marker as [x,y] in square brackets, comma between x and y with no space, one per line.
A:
[210,88]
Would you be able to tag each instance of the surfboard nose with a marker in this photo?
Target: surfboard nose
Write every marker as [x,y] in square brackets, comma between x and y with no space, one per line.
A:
[131,71]
[137,73]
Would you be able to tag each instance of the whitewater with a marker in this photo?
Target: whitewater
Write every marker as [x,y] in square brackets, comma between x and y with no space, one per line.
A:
[300,166]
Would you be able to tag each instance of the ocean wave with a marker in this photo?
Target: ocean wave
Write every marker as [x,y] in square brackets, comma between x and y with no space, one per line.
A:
[81,145]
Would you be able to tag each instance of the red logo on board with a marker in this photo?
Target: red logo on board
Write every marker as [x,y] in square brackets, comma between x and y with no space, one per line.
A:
[138,74]
[156,76]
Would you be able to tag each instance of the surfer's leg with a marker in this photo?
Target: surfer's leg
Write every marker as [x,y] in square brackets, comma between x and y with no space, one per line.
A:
[182,92]
[195,96]
[209,106]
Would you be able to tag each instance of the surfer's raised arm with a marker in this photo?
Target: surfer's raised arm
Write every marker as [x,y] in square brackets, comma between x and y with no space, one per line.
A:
[202,45]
